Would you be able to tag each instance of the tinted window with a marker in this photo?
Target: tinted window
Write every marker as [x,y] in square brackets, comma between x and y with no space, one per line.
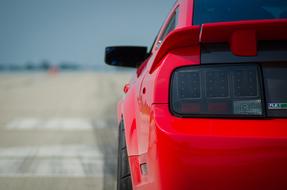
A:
[275,80]
[170,26]
[208,11]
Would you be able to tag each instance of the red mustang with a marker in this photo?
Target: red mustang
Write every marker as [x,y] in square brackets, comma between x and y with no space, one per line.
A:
[207,108]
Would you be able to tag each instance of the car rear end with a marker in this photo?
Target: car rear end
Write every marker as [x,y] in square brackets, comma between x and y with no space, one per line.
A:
[224,123]
[225,127]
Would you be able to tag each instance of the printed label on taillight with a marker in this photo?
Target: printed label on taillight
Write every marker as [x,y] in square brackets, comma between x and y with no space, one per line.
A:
[277,106]
[247,107]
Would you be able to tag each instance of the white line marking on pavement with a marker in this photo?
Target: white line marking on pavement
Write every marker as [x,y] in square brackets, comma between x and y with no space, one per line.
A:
[54,124]
[51,161]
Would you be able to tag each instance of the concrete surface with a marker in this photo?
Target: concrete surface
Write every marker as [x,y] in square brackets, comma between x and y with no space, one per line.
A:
[59,131]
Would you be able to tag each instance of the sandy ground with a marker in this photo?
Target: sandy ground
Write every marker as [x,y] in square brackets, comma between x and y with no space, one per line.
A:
[59,131]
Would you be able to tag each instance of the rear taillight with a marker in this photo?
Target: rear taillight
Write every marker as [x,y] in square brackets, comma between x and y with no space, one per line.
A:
[217,90]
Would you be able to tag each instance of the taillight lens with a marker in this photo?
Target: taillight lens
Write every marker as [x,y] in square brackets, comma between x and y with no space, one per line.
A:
[217,90]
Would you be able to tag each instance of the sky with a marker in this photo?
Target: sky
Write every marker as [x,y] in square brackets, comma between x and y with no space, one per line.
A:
[75,30]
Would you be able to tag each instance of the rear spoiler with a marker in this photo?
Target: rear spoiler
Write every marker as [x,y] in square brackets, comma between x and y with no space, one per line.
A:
[242,36]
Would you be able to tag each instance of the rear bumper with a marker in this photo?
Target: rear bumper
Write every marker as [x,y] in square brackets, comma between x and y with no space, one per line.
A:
[208,154]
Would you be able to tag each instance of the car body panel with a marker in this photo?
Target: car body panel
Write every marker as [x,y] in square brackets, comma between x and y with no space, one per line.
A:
[221,153]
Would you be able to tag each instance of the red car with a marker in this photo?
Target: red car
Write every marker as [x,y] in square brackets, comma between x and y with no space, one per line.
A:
[207,107]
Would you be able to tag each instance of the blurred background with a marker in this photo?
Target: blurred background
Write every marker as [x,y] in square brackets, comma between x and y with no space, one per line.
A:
[57,97]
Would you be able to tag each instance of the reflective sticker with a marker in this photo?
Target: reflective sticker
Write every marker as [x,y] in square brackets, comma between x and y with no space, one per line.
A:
[277,106]
[247,107]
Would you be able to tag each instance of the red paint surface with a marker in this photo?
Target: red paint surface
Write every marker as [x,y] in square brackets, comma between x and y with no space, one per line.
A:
[244,43]
[275,29]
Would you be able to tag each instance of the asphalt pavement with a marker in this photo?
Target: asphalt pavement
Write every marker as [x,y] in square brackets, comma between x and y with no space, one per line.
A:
[59,131]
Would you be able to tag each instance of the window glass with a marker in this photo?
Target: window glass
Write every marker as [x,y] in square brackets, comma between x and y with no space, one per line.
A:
[208,11]
[170,26]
